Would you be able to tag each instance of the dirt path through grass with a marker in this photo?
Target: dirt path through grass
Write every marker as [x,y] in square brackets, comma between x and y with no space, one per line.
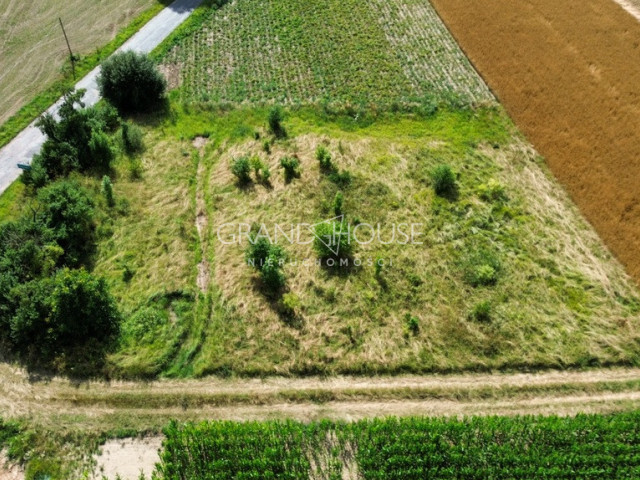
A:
[62,404]
[568,74]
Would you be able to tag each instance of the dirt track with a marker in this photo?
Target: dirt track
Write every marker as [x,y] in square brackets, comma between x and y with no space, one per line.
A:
[568,73]
[62,405]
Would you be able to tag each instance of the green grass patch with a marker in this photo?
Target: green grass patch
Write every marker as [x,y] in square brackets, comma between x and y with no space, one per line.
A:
[12,201]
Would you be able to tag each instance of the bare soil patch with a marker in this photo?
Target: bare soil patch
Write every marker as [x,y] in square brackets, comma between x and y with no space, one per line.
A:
[568,74]
[127,458]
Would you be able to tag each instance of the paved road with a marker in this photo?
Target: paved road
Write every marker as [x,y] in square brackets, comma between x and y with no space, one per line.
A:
[22,148]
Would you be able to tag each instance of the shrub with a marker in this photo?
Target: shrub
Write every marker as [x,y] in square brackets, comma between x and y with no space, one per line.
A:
[482,312]
[481,269]
[257,251]
[107,191]
[63,312]
[261,171]
[290,303]
[412,324]
[75,141]
[443,180]
[132,138]
[272,275]
[492,191]
[342,179]
[100,149]
[332,240]
[337,203]
[67,211]
[267,259]
[241,168]
[324,159]
[266,146]
[275,119]
[291,166]
[131,82]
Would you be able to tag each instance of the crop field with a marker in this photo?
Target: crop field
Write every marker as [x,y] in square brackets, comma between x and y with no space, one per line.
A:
[294,51]
[574,94]
[474,448]
[33,50]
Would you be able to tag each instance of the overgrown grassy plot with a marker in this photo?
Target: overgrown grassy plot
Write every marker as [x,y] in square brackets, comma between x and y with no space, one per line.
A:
[496,283]
[336,51]
[587,446]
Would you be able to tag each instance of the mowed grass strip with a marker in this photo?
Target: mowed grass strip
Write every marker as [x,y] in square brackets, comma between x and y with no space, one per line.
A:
[295,51]
[148,399]
[567,73]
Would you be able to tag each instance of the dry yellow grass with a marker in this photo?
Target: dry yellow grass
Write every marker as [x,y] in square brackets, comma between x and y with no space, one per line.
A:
[32,47]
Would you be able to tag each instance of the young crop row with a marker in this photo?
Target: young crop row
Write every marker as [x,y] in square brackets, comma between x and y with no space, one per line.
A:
[295,51]
[587,446]
[431,58]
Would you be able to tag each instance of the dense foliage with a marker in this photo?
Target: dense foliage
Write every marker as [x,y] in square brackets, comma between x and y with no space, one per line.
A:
[46,309]
[76,141]
[587,446]
[131,82]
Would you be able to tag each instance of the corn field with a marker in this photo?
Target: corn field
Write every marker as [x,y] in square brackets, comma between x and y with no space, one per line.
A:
[343,51]
[587,446]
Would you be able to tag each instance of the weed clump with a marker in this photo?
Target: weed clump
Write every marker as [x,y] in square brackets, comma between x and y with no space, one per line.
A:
[241,168]
[275,119]
[291,166]
[324,159]
[443,180]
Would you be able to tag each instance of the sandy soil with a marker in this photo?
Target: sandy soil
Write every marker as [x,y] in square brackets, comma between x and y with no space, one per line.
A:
[631,6]
[127,458]
[568,74]
[8,471]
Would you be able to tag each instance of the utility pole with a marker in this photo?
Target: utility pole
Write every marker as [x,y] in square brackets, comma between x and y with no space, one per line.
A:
[71,57]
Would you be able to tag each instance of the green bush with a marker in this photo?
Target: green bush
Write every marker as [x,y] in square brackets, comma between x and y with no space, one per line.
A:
[291,166]
[75,141]
[492,191]
[268,260]
[241,168]
[107,191]
[332,240]
[482,312]
[67,211]
[342,179]
[275,119]
[412,324]
[62,313]
[443,180]
[481,268]
[261,171]
[131,82]
[100,149]
[324,159]
[132,138]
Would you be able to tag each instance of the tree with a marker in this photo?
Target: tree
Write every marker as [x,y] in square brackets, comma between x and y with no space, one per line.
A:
[74,142]
[60,313]
[131,82]
[67,211]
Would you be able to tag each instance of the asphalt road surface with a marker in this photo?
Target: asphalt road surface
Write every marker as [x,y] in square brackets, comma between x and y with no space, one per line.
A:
[28,142]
